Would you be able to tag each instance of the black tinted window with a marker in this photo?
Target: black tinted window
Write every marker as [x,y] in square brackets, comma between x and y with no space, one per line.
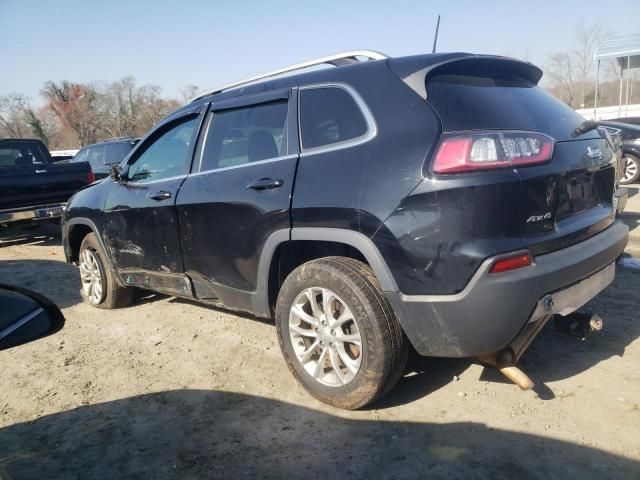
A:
[117,151]
[329,115]
[16,154]
[478,103]
[245,135]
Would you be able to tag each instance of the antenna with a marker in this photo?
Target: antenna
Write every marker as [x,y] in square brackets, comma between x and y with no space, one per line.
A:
[435,38]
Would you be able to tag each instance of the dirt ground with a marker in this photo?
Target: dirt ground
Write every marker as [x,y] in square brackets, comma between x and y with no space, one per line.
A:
[170,389]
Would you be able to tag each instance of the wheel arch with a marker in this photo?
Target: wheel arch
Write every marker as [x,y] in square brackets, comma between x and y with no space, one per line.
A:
[317,242]
[75,230]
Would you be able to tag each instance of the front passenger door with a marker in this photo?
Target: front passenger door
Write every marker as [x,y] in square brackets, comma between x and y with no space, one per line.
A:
[140,225]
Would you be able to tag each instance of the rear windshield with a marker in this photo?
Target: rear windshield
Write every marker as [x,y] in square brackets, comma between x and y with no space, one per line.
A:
[478,103]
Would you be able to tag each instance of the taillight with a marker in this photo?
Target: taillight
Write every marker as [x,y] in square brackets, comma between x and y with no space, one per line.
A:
[511,263]
[90,176]
[484,150]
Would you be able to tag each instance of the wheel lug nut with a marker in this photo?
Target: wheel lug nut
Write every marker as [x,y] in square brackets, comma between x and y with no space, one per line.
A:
[333,332]
[332,345]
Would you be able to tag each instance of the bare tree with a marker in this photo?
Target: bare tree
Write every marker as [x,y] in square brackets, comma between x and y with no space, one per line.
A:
[74,104]
[188,92]
[572,72]
[13,123]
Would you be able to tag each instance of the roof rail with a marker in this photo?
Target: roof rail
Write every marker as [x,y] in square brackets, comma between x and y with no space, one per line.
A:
[338,59]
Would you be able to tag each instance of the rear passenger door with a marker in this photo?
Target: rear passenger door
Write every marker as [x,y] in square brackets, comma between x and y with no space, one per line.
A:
[238,195]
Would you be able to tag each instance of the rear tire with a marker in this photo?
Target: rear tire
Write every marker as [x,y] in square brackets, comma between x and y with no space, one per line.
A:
[355,353]
[99,286]
[631,169]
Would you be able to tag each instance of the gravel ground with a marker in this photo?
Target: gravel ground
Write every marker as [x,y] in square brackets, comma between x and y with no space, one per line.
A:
[171,389]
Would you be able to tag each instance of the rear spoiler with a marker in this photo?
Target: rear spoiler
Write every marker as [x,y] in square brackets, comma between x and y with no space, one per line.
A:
[415,70]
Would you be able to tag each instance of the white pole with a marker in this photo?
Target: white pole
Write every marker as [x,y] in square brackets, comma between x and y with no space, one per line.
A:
[595,99]
[626,108]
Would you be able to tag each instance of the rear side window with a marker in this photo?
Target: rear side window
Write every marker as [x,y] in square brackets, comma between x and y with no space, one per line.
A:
[116,152]
[484,103]
[244,135]
[329,115]
[96,156]
[18,154]
[81,156]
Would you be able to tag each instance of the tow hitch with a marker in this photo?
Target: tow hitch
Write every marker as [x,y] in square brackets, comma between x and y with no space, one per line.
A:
[578,324]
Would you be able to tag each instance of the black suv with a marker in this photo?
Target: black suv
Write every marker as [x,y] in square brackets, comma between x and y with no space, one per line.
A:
[441,201]
[103,155]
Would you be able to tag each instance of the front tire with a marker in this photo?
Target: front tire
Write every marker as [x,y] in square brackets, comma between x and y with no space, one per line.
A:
[631,169]
[99,286]
[338,334]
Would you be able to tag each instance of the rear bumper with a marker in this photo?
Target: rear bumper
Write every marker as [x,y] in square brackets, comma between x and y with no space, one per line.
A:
[40,212]
[493,308]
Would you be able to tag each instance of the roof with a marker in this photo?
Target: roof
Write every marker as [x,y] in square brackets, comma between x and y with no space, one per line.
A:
[621,47]
[402,66]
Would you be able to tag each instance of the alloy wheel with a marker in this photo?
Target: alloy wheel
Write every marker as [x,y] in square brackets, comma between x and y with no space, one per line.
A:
[630,169]
[91,276]
[325,337]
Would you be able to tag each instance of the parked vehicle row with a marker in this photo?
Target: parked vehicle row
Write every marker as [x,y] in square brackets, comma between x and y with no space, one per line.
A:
[441,201]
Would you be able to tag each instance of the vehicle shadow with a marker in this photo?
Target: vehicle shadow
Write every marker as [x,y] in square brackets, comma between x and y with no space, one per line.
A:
[45,234]
[197,434]
[56,280]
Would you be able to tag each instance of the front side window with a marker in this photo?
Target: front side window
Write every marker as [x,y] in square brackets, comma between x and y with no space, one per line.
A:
[329,115]
[244,135]
[166,156]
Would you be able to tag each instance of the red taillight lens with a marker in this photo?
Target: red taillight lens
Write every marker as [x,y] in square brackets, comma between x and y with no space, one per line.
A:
[91,177]
[484,150]
[511,263]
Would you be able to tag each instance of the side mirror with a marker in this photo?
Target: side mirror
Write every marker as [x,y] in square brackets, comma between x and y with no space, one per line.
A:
[26,316]
[115,174]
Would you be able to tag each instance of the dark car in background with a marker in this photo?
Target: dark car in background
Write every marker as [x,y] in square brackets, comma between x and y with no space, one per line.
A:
[630,136]
[32,186]
[442,201]
[102,156]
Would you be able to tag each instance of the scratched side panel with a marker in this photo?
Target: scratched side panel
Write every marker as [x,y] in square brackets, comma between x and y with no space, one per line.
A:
[442,232]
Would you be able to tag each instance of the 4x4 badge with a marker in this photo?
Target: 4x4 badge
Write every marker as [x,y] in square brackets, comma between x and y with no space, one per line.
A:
[539,218]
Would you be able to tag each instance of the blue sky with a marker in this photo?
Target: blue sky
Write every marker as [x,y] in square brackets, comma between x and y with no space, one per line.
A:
[179,42]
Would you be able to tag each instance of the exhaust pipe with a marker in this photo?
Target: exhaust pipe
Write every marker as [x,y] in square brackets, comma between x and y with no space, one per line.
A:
[504,362]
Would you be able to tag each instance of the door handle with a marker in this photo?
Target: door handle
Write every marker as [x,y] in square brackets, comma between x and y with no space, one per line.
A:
[266,184]
[41,171]
[161,195]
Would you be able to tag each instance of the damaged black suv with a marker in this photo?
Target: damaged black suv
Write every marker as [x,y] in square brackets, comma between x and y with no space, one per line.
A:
[442,201]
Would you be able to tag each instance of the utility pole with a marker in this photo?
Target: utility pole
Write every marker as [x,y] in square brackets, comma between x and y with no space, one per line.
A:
[435,38]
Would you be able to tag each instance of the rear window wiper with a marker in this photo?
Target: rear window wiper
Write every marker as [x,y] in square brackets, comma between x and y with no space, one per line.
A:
[584,127]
